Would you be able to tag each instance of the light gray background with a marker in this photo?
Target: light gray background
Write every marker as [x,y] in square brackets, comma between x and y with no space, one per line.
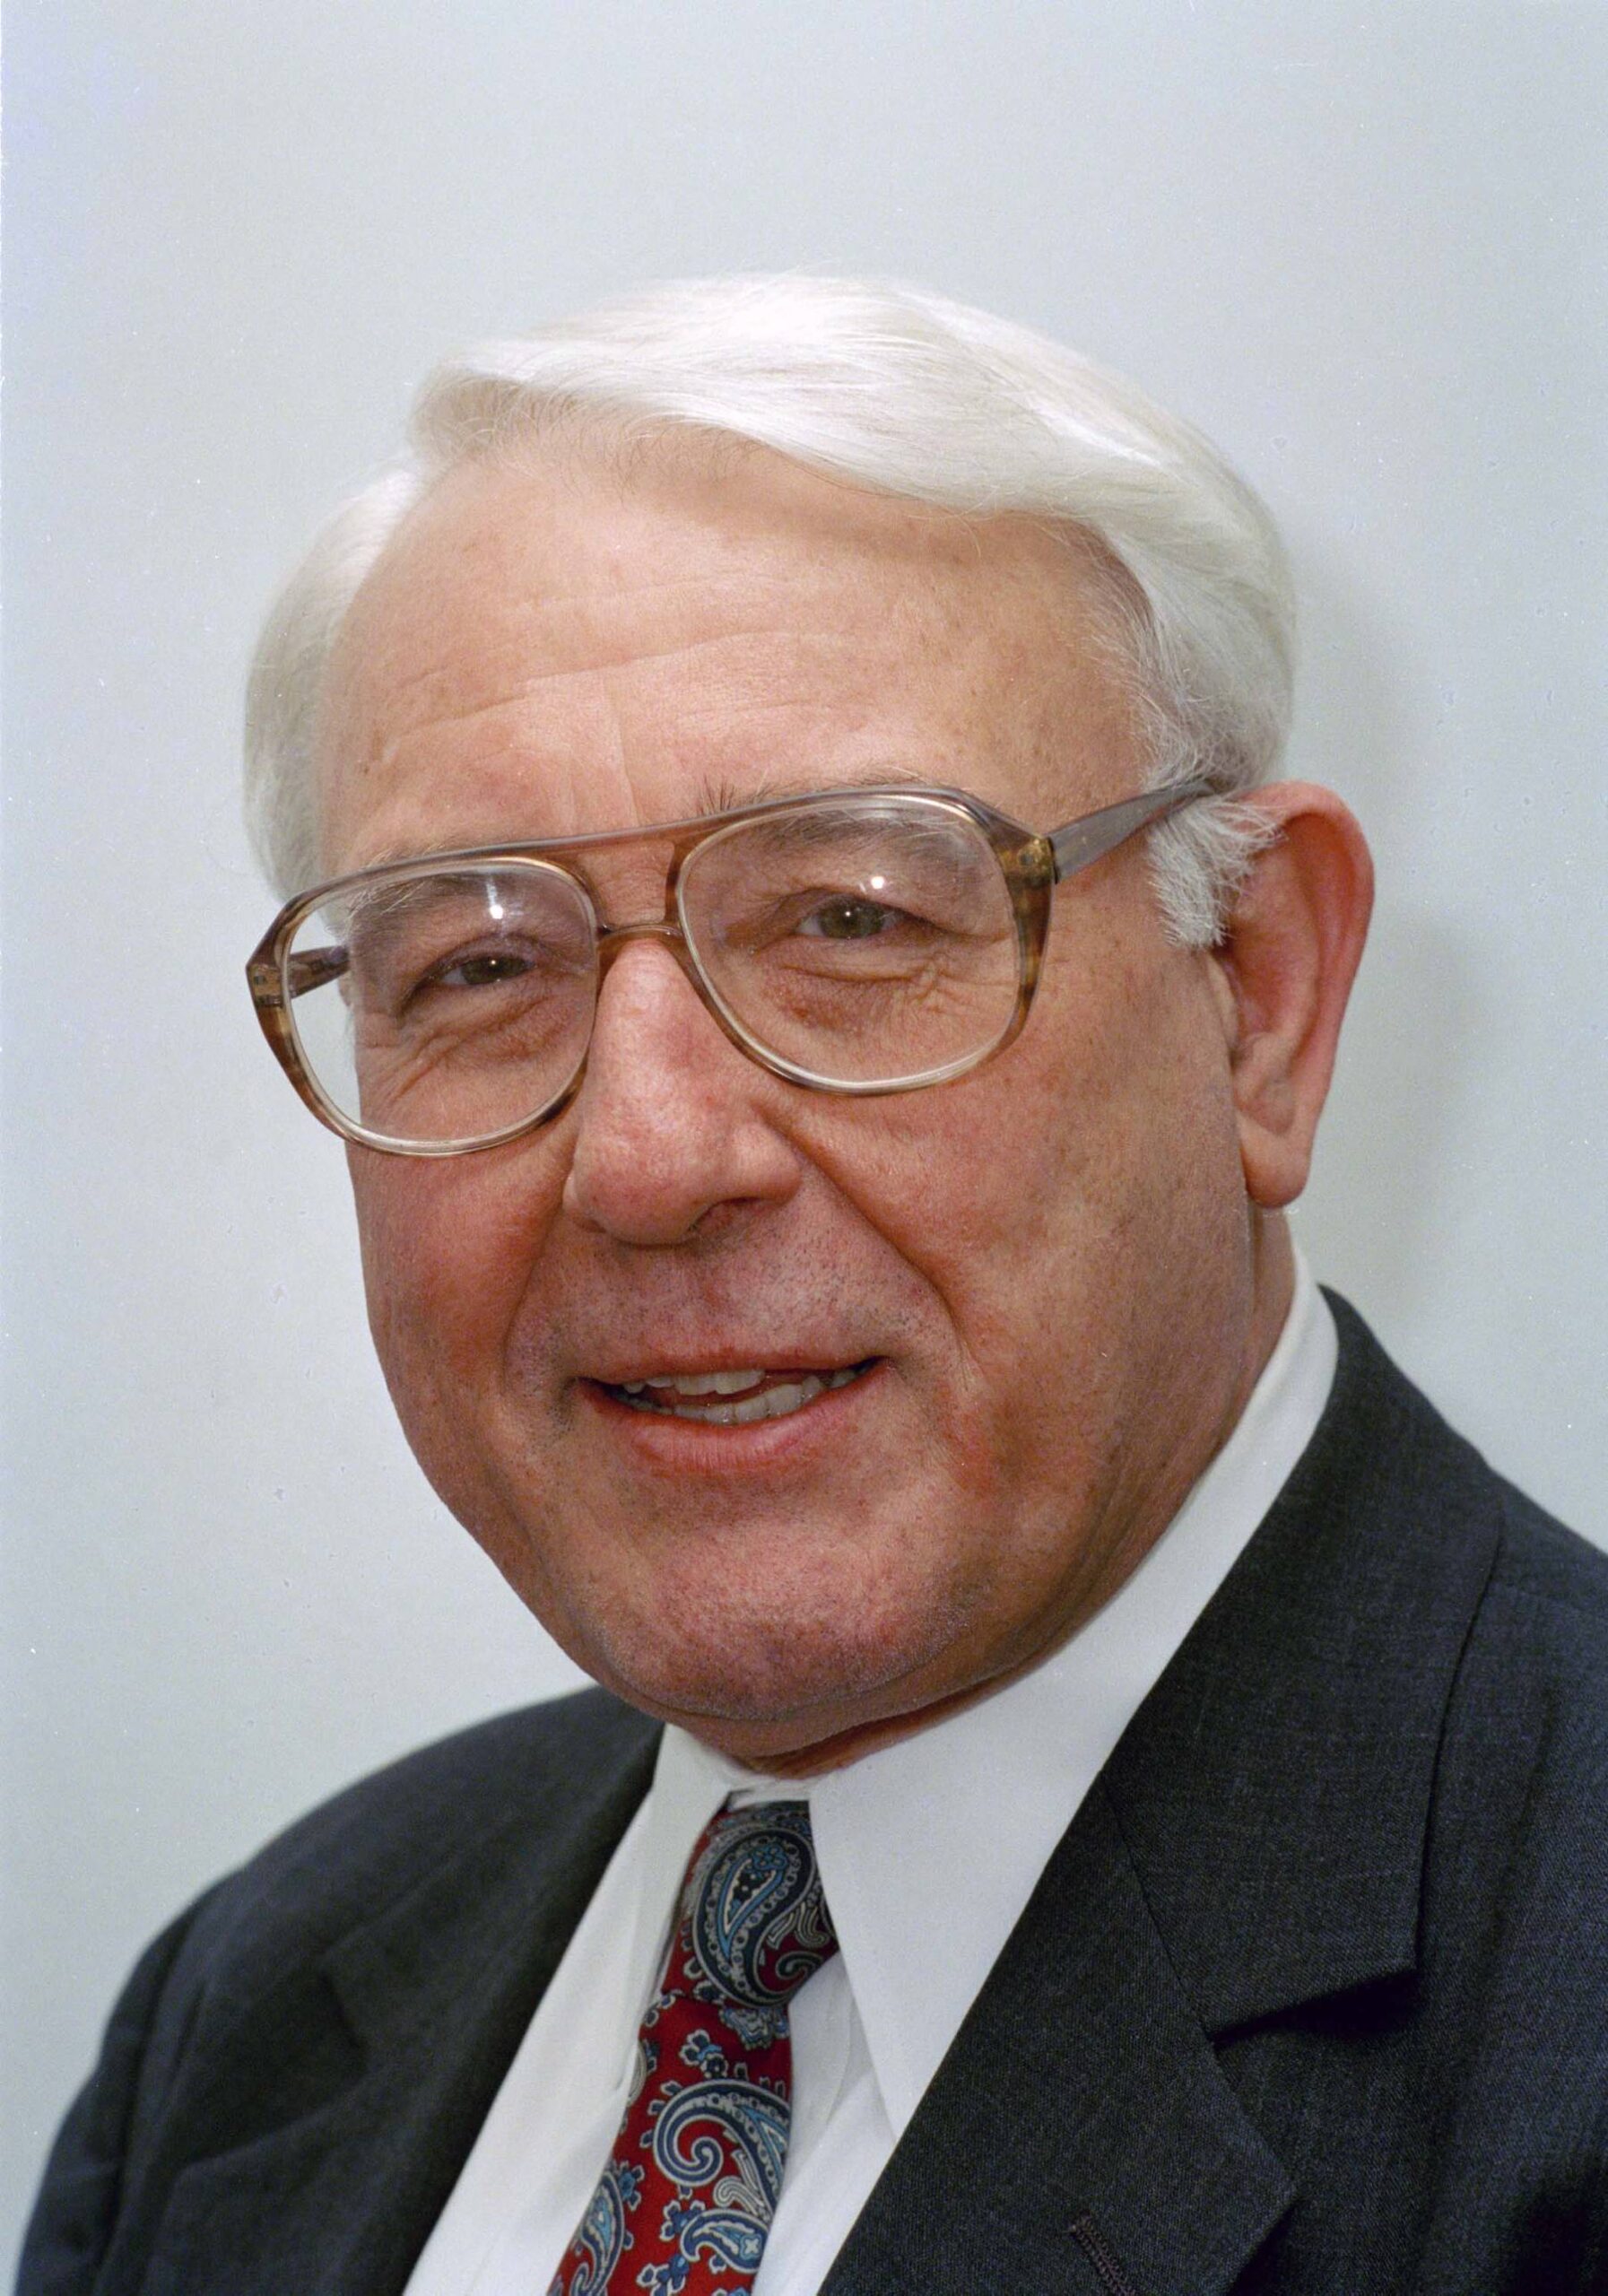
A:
[1361,245]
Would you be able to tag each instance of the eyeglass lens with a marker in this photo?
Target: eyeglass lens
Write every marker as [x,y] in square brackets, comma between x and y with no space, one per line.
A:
[858,943]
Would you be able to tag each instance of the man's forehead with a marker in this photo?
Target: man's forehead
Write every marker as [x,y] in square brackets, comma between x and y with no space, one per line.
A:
[548,548]
[708,636]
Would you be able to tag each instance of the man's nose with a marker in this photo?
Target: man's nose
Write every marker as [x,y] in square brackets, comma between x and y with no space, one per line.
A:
[670,1118]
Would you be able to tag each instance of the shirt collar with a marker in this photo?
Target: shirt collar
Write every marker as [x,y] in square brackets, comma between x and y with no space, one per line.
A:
[986,1793]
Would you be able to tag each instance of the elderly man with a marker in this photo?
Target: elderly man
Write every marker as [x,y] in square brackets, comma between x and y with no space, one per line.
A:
[1093,1788]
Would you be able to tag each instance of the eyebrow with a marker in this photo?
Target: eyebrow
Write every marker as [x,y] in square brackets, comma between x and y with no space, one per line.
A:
[723,795]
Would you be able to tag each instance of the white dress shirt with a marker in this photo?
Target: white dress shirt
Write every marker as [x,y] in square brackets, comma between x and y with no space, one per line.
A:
[929,1850]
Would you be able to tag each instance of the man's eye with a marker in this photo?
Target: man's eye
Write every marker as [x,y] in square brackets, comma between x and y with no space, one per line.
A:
[848,918]
[481,968]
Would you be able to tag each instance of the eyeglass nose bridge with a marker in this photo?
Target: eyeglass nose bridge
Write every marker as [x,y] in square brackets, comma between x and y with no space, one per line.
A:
[612,939]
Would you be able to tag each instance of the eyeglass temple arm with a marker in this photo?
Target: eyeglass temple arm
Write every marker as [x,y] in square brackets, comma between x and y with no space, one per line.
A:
[1083,841]
[311,967]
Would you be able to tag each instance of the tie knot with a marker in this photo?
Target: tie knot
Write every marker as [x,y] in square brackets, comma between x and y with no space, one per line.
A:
[755,1918]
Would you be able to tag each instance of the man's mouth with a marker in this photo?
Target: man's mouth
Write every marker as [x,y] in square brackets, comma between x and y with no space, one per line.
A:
[732,1398]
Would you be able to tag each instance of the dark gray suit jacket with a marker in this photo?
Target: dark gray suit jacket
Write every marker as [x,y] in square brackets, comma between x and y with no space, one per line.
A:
[1313,1996]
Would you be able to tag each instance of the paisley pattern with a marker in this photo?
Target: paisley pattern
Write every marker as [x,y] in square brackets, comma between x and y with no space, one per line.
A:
[604,2238]
[687,2198]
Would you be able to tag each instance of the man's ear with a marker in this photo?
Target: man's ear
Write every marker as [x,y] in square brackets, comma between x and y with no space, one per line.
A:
[1283,972]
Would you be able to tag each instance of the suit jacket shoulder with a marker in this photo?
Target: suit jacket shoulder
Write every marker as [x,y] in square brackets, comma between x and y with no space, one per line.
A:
[531,1777]
[1541,1563]
[1533,1696]
[261,2003]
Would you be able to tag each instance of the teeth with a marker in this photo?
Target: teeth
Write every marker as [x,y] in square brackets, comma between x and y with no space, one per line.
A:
[776,1403]
[701,1383]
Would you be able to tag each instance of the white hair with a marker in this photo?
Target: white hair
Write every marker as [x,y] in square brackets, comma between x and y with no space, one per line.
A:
[902,392]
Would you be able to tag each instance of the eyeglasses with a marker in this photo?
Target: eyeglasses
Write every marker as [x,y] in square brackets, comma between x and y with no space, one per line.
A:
[861,940]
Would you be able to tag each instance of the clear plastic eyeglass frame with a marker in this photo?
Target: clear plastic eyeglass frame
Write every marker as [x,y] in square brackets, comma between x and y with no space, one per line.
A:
[1032,864]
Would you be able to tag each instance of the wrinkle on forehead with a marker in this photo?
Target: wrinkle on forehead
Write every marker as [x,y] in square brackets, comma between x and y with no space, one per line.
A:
[436,683]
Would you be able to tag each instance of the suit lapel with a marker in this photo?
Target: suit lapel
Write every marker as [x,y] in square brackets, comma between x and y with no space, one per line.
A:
[1255,1842]
[1081,2105]
[1274,1789]
[380,2066]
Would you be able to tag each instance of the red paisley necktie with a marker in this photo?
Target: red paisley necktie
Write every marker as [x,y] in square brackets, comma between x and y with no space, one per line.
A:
[686,2200]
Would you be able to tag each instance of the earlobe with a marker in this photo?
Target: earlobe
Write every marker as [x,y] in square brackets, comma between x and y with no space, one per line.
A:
[1284,973]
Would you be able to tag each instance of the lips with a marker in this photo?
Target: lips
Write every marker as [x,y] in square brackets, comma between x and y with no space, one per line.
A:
[735,1398]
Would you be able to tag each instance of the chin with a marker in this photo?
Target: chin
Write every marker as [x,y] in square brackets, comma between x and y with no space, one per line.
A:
[771,1676]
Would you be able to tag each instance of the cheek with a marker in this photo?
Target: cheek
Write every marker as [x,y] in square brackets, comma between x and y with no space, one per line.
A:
[989,1185]
[1064,1203]
[447,1248]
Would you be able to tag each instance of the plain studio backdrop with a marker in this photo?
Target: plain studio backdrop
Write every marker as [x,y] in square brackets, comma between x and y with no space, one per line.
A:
[1361,246]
